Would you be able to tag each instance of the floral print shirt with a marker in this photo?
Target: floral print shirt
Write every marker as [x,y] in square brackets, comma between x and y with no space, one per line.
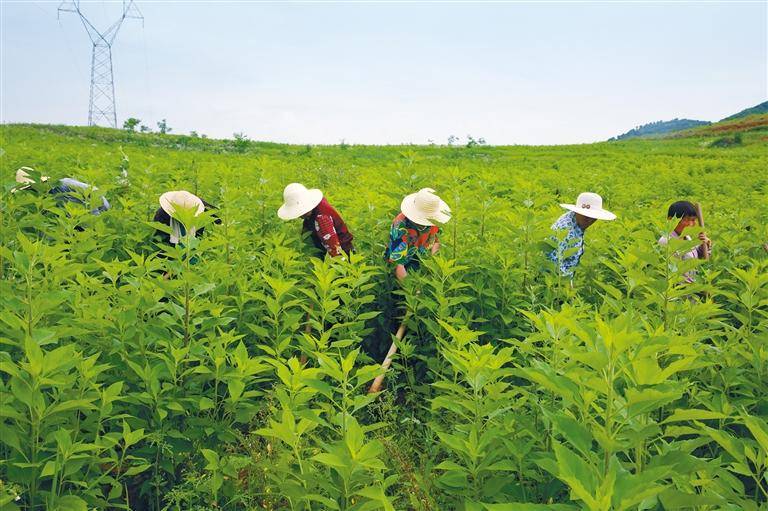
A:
[574,240]
[408,241]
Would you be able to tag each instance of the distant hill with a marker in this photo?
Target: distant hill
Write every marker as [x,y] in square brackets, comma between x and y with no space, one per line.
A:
[681,127]
[762,108]
[661,128]
[756,124]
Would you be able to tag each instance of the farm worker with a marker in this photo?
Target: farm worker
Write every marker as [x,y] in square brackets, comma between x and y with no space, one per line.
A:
[414,232]
[327,229]
[165,215]
[66,190]
[588,209]
[687,216]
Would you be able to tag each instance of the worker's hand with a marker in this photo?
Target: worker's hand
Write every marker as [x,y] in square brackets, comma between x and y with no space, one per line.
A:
[400,272]
[435,248]
[704,240]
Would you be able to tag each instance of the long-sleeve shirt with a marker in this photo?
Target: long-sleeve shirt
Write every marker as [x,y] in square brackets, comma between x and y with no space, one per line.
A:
[328,231]
[573,242]
[408,241]
[67,186]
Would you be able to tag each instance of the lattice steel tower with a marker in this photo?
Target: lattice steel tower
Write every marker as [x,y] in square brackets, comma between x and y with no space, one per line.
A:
[101,107]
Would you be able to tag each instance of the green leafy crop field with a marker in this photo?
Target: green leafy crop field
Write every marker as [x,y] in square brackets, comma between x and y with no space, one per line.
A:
[131,378]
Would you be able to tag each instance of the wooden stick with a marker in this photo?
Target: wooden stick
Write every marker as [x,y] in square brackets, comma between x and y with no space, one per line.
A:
[376,385]
[700,215]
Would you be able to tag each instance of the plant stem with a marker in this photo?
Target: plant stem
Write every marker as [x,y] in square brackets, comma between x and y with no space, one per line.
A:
[609,412]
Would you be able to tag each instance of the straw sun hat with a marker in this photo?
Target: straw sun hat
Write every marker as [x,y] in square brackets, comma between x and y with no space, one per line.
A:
[424,207]
[590,205]
[182,199]
[298,200]
[23,177]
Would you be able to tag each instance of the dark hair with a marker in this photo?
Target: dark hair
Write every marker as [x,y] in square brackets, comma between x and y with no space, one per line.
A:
[681,209]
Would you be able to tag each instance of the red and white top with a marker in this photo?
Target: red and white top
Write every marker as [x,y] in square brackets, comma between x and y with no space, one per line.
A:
[328,230]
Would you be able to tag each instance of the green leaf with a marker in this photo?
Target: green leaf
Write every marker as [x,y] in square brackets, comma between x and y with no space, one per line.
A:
[35,357]
[576,434]
[212,457]
[131,437]
[759,430]
[205,403]
[731,444]
[577,474]
[450,465]
[70,503]
[331,460]
[235,387]
[528,507]
[502,466]
[72,404]
[376,493]
[49,469]
[349,361]
[693,415]
[645,400]
[325,501]
[676,499]
[138,469]
[454,479]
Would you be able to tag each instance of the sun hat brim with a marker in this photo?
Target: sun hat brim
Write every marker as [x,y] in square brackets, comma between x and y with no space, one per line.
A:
[598,214]
[24,182]
[27,181]
[181,198]
[409,209]
[308,202]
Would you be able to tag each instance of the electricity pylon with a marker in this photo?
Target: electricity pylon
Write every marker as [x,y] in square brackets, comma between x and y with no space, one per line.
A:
[101,107]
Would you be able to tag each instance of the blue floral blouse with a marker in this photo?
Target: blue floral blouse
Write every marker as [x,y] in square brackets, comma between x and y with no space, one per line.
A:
[574,239]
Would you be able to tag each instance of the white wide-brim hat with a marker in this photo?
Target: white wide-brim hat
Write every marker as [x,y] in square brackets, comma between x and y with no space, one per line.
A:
[298,200]
[424,208]
[590,205]
[182,199]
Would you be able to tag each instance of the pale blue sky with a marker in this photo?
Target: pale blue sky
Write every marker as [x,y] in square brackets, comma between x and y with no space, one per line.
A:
[526,73]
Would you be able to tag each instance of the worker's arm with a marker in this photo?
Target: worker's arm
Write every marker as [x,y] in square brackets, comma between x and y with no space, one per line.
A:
[434,240]
[706,245]
[397,251]
[328,236]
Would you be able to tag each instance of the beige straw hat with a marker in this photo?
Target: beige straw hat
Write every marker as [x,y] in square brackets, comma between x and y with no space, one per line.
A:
[298,200]
[23,178]
[590,205]
[182,199]
[424,207]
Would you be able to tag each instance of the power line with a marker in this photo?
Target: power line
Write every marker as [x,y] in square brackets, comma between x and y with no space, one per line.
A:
[101,105]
